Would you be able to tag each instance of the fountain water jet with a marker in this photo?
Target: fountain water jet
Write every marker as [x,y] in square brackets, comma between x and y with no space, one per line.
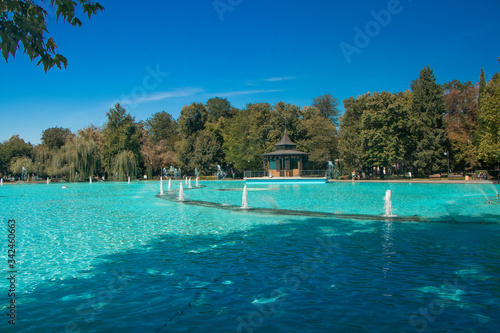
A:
[197,185]
[129,179]
[90,180]
[161,186]
[495,189]
[169,184]
[330,174]
[186,180]
[388,204]
[485,196]
[189,183]
[244,200]
[220,174]
[181,193]
[47,180]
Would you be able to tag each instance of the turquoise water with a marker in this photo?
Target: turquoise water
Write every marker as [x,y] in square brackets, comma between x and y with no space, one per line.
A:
[117,257]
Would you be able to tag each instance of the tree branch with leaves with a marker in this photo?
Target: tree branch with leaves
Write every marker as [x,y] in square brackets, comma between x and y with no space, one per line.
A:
[24,23]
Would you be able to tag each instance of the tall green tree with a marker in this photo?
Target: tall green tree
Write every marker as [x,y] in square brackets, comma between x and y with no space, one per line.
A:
[480,125]
[284,114]
[460,119]
[374,133]
[24,24]
[260,128]
[192,119]
[489,116]
[427,124]
[12,148]
[207,153]
[241,143]
[200,151]
[350,138]
[121,133]
[246,136]
[328,107]
[192,123]
[55,137]
[482,85]
[385,131]
[218,107]
[401,141]
[162,127]
[92,133]
[320,139]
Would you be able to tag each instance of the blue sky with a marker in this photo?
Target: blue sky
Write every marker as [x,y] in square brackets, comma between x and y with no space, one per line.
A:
[160,55]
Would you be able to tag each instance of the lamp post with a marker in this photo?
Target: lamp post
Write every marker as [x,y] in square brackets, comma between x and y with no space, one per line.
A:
[447,154]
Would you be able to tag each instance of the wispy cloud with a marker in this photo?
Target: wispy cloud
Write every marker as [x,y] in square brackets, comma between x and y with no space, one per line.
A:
[187,92]
[243,92]
[280,78]
[271,79]
[181,92]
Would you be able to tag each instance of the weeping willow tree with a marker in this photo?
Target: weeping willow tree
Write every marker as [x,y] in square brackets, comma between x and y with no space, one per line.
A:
[17,165]
[125,165]
[84,154]
[78,159]
[43,160]
[62,164]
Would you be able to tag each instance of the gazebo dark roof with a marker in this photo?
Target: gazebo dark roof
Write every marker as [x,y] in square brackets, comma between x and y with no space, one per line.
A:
[285,141]
[285,147]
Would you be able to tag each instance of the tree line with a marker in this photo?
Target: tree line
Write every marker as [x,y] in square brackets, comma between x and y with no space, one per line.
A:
[379,134]
[419,130]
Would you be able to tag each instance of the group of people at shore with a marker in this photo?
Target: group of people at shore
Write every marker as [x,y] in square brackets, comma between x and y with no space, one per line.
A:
[482,175]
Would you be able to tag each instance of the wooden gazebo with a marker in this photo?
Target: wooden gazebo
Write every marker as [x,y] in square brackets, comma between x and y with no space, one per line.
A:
[285,161]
